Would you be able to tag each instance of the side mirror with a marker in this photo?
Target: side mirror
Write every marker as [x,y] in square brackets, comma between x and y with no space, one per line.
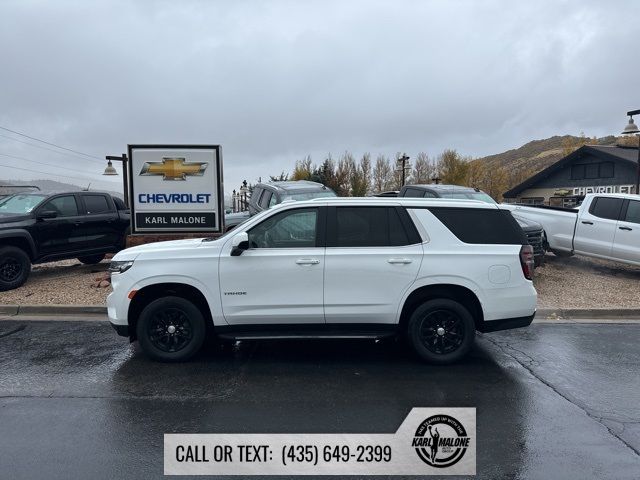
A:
[47,214]
[239,244]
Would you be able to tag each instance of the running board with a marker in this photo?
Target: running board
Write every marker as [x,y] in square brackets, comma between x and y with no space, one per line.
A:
[296,332]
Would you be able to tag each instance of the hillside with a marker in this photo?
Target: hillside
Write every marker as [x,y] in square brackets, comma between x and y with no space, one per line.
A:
[539,154]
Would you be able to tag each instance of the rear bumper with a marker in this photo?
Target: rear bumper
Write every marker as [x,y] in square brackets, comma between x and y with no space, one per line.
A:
[122,330]
[506,324]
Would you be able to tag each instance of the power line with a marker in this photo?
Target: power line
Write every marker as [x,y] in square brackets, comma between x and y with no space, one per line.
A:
[46,173]
[52,144]
[43,148]
[43,163]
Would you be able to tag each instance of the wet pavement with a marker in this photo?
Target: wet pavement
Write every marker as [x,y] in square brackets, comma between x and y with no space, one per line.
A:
[553,401]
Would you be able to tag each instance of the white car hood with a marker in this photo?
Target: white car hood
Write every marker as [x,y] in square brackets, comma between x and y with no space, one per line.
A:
[169,248]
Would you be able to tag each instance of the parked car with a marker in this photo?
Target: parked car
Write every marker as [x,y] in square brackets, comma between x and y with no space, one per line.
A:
[266,195]
[606,225]
[42,227]
[532,229]
[433,271]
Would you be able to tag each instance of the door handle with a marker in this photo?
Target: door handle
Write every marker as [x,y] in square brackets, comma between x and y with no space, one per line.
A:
[307,261]
[625,228]
[399,260]
[586,222]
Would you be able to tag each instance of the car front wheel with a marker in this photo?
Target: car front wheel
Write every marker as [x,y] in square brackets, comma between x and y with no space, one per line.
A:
[171,329]
[15,267]
[441,331]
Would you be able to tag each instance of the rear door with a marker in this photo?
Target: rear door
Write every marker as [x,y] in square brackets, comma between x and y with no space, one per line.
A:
[596,228]
[100,226]
[373,256]
[626,246]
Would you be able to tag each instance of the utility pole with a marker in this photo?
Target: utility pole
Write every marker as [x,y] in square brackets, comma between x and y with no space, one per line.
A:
[403,164]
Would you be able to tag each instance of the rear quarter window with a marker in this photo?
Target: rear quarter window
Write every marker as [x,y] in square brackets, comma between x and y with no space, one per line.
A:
[481,226]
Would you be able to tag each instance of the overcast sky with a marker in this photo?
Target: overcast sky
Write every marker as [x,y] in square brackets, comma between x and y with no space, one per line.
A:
[273,81]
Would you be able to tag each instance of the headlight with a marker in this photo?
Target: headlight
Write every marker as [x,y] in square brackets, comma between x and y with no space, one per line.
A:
[121,266]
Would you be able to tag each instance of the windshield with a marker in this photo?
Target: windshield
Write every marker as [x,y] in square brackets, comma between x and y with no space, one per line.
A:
[483,197]
[308,195]
[20,203]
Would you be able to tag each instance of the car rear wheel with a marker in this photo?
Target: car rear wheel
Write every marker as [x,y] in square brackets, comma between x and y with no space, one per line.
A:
[441,331]
[15,266]
[91,259]
[171,329]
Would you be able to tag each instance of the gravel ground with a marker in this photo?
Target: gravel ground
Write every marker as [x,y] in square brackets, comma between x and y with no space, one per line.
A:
[575,282]
[67,282]
[582,282]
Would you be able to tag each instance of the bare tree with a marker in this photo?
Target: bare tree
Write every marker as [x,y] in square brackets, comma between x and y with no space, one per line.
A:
[382,174]
[424,169]
[343,175]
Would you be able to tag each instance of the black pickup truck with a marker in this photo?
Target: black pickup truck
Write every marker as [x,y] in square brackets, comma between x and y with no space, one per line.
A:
[39,227]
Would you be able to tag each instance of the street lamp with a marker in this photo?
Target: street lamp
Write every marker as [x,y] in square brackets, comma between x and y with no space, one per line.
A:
[631,129]
[110,170]
[402,164]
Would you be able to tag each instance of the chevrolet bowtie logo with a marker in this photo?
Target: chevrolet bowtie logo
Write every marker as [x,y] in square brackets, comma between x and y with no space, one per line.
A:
[174,169]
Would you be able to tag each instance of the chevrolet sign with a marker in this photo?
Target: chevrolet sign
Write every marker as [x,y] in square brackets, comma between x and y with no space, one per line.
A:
[175,188]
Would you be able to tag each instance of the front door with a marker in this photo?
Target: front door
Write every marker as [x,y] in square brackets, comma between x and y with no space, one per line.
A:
[371,261]
[64,233]
[279,279]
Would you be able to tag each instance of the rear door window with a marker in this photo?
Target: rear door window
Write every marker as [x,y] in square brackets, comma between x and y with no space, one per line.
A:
[633,212]
[96,204]
[368,227]
[605,207]
[264,199]
[413,193]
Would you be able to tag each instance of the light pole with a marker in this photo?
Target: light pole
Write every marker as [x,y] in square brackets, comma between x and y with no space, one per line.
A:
[112,171]
[631,129]
[403,165]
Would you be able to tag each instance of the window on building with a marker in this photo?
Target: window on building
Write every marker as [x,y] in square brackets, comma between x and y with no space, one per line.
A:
[532,200]
[591,170]
[577,172]
[607,170]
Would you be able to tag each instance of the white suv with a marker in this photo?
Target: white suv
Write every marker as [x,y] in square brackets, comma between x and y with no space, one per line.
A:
[433,270]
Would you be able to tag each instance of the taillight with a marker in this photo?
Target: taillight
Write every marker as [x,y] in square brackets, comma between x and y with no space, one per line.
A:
[527,262]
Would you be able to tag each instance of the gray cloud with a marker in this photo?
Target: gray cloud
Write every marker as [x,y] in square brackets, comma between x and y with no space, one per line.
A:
[274,81]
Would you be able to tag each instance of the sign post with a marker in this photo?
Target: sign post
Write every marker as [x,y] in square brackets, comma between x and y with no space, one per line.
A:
[175,189]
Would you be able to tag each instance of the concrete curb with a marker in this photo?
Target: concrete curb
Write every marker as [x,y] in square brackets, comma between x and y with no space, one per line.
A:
[53,310]
[573,313]
[543,313]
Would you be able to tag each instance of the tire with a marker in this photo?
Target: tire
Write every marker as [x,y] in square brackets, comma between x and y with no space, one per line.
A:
[15,267]
[91,259]
[187,337]
[457,324]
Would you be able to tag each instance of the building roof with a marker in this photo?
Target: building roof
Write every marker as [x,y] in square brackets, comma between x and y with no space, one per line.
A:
[605,152]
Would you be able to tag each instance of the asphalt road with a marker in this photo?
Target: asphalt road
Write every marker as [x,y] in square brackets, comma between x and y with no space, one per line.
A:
[553,401]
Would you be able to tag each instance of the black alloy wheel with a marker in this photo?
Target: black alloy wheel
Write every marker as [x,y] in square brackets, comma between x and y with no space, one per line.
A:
[171,329]
[441,331]
[15,266]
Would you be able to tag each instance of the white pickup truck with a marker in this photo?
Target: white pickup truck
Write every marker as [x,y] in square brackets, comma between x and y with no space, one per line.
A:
[607,225]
